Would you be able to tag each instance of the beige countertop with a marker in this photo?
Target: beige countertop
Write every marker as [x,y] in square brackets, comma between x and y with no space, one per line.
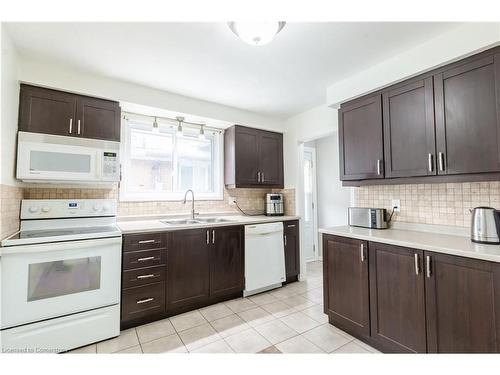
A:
[154,224]
[430,241]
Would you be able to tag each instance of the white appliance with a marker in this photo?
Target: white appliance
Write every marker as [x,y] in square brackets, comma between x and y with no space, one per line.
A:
[264,257]
[60,276]
[54,158]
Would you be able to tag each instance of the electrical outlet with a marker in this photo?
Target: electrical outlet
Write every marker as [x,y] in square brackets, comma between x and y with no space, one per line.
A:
[231,201]
[397,204]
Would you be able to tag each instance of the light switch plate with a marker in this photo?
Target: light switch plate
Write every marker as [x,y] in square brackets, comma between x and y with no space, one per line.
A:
[397,204]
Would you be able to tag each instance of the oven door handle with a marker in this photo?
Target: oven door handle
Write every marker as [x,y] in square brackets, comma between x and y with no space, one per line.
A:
[58,246]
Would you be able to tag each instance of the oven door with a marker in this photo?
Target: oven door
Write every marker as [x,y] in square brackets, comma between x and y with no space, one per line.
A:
[44,281]
[57,162]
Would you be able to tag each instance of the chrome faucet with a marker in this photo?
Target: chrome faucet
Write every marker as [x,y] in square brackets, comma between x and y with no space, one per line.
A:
[192,202]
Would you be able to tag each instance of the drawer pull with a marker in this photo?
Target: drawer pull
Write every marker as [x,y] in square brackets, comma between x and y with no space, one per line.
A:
[146,276]
[145,300]
[146,241]
[145,259]
[291,225]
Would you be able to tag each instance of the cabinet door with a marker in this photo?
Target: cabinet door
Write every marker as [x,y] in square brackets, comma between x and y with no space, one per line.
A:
[271,159]
[467,100]
[247,156]
[397,300]
[345,278]
[361,140]
[409,141]
[98,119]
[292,256]
[47,111]
[463,304]
[187,268]
[226,261]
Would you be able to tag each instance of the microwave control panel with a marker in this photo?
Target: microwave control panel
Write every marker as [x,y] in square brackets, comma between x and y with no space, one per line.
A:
[110,166]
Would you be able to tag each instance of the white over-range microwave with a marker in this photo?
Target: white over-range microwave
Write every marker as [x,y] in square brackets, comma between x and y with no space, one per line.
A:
[61,159]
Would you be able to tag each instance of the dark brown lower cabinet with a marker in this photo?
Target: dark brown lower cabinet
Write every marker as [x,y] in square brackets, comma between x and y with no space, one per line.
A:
[292,249]
[188,267]
[345,274]
[463,304]
[226,261]
[397,299]
[419,301]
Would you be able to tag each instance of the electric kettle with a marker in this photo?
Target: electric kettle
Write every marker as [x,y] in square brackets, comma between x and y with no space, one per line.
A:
[485,225]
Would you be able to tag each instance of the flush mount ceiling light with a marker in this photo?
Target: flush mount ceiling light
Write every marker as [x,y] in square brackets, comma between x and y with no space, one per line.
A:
[256,33]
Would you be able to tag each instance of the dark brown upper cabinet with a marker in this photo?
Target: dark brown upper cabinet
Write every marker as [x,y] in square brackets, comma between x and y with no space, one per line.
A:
[397,299]
[467,116]
[345,283]
[292,249]
[409,141]
[253,158]
[361,139]
[56,112]
[463,304]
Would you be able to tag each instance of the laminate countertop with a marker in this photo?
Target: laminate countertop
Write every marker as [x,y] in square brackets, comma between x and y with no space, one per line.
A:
[155,224]
[430,241]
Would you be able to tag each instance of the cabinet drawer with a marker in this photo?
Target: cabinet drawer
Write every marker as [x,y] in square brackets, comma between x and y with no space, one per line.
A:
[143,276]
[144,241]
[291,226]
[143,301]
[144,258]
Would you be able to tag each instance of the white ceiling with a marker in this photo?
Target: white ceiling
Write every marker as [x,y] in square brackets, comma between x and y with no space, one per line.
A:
[206,61]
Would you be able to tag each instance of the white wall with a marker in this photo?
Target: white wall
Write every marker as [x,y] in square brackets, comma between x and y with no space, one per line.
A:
[462,41]
[9,109]
[333,199]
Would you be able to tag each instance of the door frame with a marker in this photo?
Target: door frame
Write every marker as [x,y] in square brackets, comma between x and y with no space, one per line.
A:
[314,215]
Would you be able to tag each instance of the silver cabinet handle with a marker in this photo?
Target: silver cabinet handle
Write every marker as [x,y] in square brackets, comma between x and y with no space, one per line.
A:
[213,235]
[70,125]
[285,239]
[146,241]
[428,271]
[417,266]
[145,300]
[145,259]
[362,252]
[379,167]
[441,161]
[79,127]
[431,164]
[146,276]
[258,176]
[208,237]
[261,176]
[291,225]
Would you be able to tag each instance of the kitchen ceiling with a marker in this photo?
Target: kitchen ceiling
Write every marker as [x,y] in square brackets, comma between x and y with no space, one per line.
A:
[207,61]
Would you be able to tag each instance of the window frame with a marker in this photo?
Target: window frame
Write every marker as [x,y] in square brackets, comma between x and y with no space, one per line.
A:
[217,165]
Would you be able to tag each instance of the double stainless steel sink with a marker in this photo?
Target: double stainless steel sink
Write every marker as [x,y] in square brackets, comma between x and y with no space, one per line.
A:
[200,220]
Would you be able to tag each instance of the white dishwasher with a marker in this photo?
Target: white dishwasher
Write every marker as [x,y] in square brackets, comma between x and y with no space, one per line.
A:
[264,257]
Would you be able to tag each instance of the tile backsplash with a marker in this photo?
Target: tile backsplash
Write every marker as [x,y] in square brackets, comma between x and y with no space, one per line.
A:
[252,200]
[444,204]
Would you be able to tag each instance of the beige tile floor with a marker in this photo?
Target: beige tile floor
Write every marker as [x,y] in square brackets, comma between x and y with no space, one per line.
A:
[285,320]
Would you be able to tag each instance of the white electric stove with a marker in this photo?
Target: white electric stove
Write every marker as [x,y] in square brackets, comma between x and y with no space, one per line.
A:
[60,276]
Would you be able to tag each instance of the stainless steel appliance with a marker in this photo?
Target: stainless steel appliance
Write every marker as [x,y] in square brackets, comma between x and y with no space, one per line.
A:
[485,225]
[274,204]
[54,158]
[60,276]
[374,218]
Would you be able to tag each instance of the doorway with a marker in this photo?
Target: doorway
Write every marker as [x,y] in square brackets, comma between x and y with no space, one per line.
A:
[311,250]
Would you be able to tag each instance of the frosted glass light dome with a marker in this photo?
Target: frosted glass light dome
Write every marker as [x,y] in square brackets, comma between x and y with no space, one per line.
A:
[256,33]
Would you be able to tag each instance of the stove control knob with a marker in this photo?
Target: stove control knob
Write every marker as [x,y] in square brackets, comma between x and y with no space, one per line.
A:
[33,209]
[96,207]
[45,209]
